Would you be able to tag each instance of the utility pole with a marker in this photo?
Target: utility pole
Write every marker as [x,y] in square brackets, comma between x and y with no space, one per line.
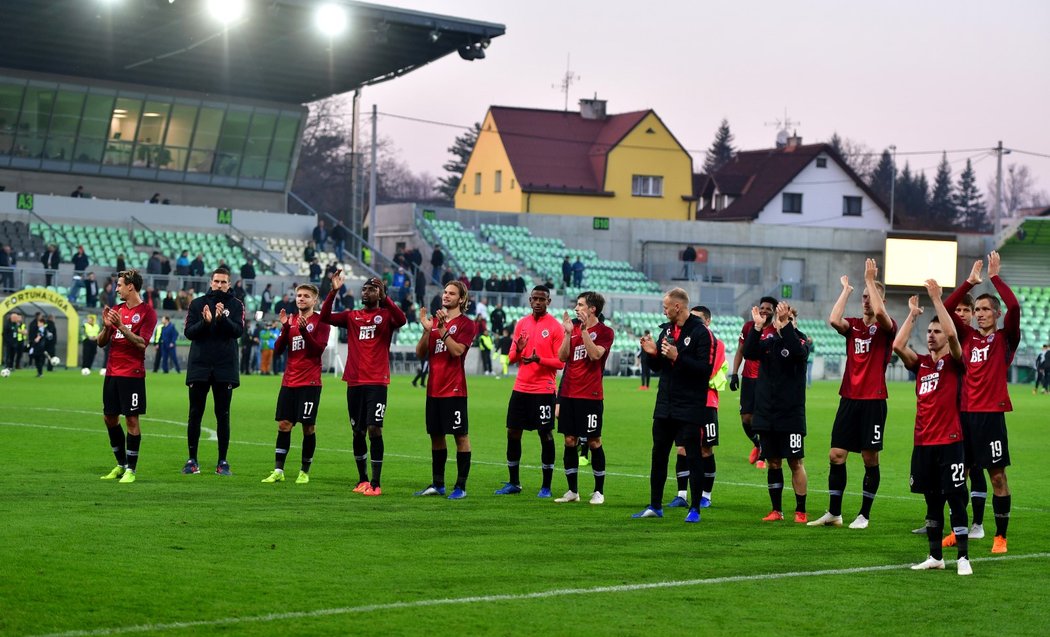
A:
[998,189]
[893,183]
[372,173]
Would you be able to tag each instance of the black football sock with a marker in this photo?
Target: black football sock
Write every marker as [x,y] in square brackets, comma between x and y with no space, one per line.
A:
[681,470]
[284,441]
[309,446]
[598,465]
[513,460]
[978,494]
[1001,509]
[872,477]
[223,396]
[462,469]
[836,485]
[934,523]
[709,474]
[572,467]
[750,433]
[361,456]
[134,440]
[775,483]
[800,503]
[377,459]
[547,454]
[438,457]
[957,515]
[193,436]
[116,442]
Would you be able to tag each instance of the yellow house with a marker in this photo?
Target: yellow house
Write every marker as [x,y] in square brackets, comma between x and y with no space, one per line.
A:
[586,163]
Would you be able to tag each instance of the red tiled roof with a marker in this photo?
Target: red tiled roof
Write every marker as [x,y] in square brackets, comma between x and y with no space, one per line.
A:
[754,177]
[560,151]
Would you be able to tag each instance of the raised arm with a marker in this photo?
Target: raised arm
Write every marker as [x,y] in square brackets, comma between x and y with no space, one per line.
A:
[566,325]
[900,343]
[878,304]
[943,316]
[1012,319]
[958,293]
[836,320]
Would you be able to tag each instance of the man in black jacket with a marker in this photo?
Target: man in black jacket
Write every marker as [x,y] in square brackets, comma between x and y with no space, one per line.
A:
[214,323]
[50,261]
[683,355]
[780,404]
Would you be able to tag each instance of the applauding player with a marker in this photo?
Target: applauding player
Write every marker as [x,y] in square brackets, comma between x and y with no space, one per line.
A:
[580,403]
[367,372]
[306,338]
[937,462]
[445,341]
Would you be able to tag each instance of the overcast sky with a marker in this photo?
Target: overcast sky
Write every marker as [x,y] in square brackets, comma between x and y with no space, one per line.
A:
[926,76]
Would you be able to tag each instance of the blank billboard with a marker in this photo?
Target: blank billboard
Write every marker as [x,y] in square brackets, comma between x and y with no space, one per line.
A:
[909,262]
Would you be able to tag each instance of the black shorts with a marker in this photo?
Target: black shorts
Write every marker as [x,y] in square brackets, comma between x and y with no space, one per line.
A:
[447,416]
[984,436]
[859,425]
[531,411]
[124,395]
[682,432]
[938,468]
[366,406]
[298,404]
[709,430]
[747,394]
[782,444]
[580,417]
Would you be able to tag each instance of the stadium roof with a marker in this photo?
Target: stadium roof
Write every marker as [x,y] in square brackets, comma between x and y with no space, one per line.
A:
[560,151]
[273,53]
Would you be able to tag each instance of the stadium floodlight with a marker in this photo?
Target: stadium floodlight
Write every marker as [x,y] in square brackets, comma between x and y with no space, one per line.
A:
[330,19]
[226,11]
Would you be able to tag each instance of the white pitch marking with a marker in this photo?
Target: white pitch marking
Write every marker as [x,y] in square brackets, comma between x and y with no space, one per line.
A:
[212,434]
[484,599]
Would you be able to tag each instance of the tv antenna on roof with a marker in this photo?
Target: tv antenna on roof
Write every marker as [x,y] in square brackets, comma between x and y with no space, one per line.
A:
[783,128]
[567,80]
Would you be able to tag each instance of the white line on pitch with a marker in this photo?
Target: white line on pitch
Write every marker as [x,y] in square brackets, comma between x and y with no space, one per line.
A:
[512,597]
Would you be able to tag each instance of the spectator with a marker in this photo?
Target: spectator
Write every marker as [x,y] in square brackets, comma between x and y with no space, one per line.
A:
[492,287]
[197,266]
[420,285]
[519,288]
[577,273]
[91,290]
[169,304]
[506,288]
[182,300]
[315,271]
[435,303]
[50,261]
[267,338]
[566,272]
[155,198]
[481,310]
[476,284]
[165,268]
[339,236]
[320,234]
[80,265]
[249,345]
[122,266]
[415,259]
[437,260]
[266,305]
[248,276]
[152,296]
[485,347]
[168,338]
[347,298]
[285,304]
[399,257]
[400,284]
[498,318]
[89,346]
[7,274]
[238,291]
[447,276]
[153,266]
[309,252]
[463,278]
[109,295]
[78,193]
[182,264]
[688,257]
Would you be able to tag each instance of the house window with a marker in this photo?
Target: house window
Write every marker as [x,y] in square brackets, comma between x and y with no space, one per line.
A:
[851,206]
[477,183]
[498,185]
[721,201]
[822,162]
[512,184]
[647,186]
[464,189]
[793,202]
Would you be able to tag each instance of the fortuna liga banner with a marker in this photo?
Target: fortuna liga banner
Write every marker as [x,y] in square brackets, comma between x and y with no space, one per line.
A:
[48,297]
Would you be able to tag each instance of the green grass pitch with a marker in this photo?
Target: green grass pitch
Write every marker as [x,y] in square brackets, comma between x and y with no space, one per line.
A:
[182,555]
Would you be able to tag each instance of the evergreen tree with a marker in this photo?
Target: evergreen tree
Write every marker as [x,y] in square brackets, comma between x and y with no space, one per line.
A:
[942,202]
[460,150]
[836,144]
[919,200]
[721,150]
[882,177]
[969,202]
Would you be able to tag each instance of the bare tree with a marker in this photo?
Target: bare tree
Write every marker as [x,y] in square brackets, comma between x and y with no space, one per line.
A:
[1019,190]
[857,155]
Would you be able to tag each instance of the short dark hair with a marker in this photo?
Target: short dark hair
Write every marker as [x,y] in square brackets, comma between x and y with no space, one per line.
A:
[593,299]
[131,277]
[542,288]
[768,299]
[935,319]
[703,310]
[220,270]
[991,299]
[967,300]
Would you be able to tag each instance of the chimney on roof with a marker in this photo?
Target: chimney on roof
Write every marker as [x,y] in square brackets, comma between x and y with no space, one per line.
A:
[794,141]
[592,108]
